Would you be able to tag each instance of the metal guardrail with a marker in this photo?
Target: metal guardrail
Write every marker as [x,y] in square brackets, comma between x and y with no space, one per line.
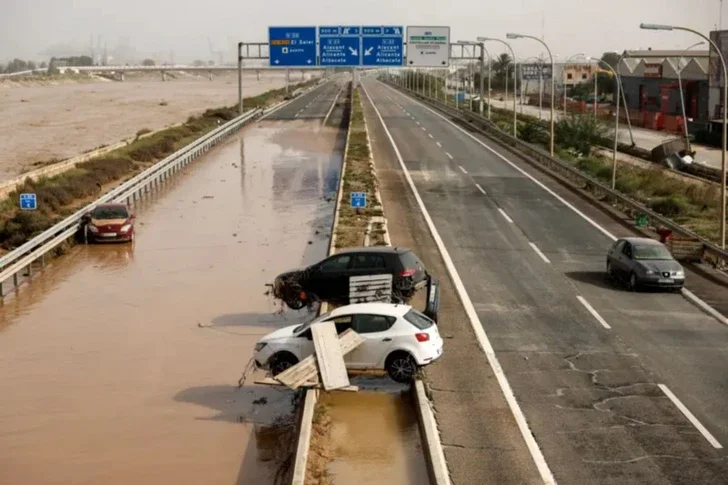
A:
[35,249]
[710,252]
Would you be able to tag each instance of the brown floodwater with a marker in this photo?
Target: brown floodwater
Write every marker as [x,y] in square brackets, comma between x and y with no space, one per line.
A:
[375,438]
[120,363]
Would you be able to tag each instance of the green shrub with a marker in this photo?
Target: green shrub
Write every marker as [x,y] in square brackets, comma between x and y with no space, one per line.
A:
[670,206]
[579,132]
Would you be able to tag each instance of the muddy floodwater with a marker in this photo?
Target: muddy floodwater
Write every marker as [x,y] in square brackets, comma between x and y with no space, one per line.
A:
[120,364]
[375,439]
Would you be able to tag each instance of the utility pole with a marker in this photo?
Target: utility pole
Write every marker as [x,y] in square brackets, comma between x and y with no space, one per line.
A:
[240,78]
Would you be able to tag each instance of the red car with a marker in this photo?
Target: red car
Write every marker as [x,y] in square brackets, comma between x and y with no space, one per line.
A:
[110,222]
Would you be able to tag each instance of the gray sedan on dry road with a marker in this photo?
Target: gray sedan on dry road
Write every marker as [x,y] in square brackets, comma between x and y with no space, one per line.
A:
[642,262]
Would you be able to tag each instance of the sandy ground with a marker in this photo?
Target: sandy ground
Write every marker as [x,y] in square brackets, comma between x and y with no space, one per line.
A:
[120,363]
[40,123]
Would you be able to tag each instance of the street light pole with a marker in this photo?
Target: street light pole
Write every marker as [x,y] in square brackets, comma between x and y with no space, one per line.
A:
[725,118]
[682,95]
[240,78]
[596,89]
[564,75]
[616,125]
[553,70]
[515,82]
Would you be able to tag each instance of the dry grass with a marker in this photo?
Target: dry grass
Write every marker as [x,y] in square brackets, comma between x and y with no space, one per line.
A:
[359,176]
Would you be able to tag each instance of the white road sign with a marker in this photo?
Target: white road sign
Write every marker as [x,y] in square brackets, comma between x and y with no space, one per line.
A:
[428,46]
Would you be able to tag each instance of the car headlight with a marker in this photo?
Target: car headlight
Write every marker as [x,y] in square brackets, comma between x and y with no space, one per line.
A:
[680,274]
[260,346]
[125,228]
[93,228]
[649,272]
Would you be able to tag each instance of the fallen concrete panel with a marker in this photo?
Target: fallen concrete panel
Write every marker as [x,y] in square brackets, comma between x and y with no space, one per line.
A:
[308,368]
[332,368]
[363,289]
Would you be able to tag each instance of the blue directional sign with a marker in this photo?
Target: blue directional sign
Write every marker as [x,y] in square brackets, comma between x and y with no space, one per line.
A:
[382,46]
[340,46]
[358,200]
[28,202]
[292,46]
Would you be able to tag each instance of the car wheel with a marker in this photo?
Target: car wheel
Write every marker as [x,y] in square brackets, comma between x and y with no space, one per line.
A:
[632,284]
[295,303]
[401,367]
[281,362]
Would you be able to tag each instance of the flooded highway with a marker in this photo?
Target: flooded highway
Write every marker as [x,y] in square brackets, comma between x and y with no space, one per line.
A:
[120,363]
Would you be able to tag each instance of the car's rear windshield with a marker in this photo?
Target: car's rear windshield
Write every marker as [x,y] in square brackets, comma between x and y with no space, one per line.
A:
[409,260]
[119,212]
[651,252]
[418,319]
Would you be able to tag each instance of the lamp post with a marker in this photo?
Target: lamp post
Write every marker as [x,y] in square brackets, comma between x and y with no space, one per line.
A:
[515,79]
[616,122]
[725,117]
[682,95]
[553,94]
[580,54]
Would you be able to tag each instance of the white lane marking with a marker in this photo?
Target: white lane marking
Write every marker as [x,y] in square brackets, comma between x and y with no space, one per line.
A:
[439,144]
[332,105]
[593,312]
[690,296]
[418,123]
[462,169]
[480,335]
[448,155]
[430,135]
[538,251]
[481,189]
[691,417]
[523,172]
[423,128]
[503,213]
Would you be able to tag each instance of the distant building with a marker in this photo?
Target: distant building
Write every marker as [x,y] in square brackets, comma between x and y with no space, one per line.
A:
[651,87]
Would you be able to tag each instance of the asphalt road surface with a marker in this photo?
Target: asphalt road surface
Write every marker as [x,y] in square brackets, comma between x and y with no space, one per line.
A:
[605,378]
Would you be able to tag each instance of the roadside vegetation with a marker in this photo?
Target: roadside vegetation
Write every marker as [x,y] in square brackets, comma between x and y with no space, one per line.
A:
[61,195]
[358,176]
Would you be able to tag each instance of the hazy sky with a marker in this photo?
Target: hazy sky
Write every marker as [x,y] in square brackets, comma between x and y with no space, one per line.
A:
[27,27]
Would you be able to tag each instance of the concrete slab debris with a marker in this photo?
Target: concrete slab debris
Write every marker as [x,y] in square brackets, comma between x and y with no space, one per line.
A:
[332,368]
[308,368]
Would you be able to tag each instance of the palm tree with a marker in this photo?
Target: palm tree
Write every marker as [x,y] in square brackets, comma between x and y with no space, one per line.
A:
[501,64]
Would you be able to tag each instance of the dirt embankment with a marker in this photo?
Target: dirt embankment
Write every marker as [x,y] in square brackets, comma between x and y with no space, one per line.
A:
[58,121]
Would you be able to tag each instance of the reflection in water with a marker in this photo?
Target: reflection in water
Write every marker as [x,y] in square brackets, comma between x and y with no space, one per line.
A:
[120,363]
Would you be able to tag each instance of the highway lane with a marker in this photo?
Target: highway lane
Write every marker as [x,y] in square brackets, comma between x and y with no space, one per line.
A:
[590,393]
[315,104]
[120,363]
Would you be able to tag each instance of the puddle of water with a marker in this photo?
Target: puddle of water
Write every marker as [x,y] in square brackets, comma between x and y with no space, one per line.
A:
[120,363]
[375,439]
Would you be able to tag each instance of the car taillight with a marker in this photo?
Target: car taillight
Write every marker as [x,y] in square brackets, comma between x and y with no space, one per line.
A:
[407,272]
[422,337]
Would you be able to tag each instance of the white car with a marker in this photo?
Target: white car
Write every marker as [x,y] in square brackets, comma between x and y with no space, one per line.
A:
[397,338]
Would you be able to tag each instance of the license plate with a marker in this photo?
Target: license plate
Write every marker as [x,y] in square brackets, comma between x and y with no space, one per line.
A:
[108,234]
[665,280]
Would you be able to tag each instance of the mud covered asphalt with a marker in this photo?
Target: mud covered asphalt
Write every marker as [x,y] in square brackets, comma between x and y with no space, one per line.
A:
[120,364]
